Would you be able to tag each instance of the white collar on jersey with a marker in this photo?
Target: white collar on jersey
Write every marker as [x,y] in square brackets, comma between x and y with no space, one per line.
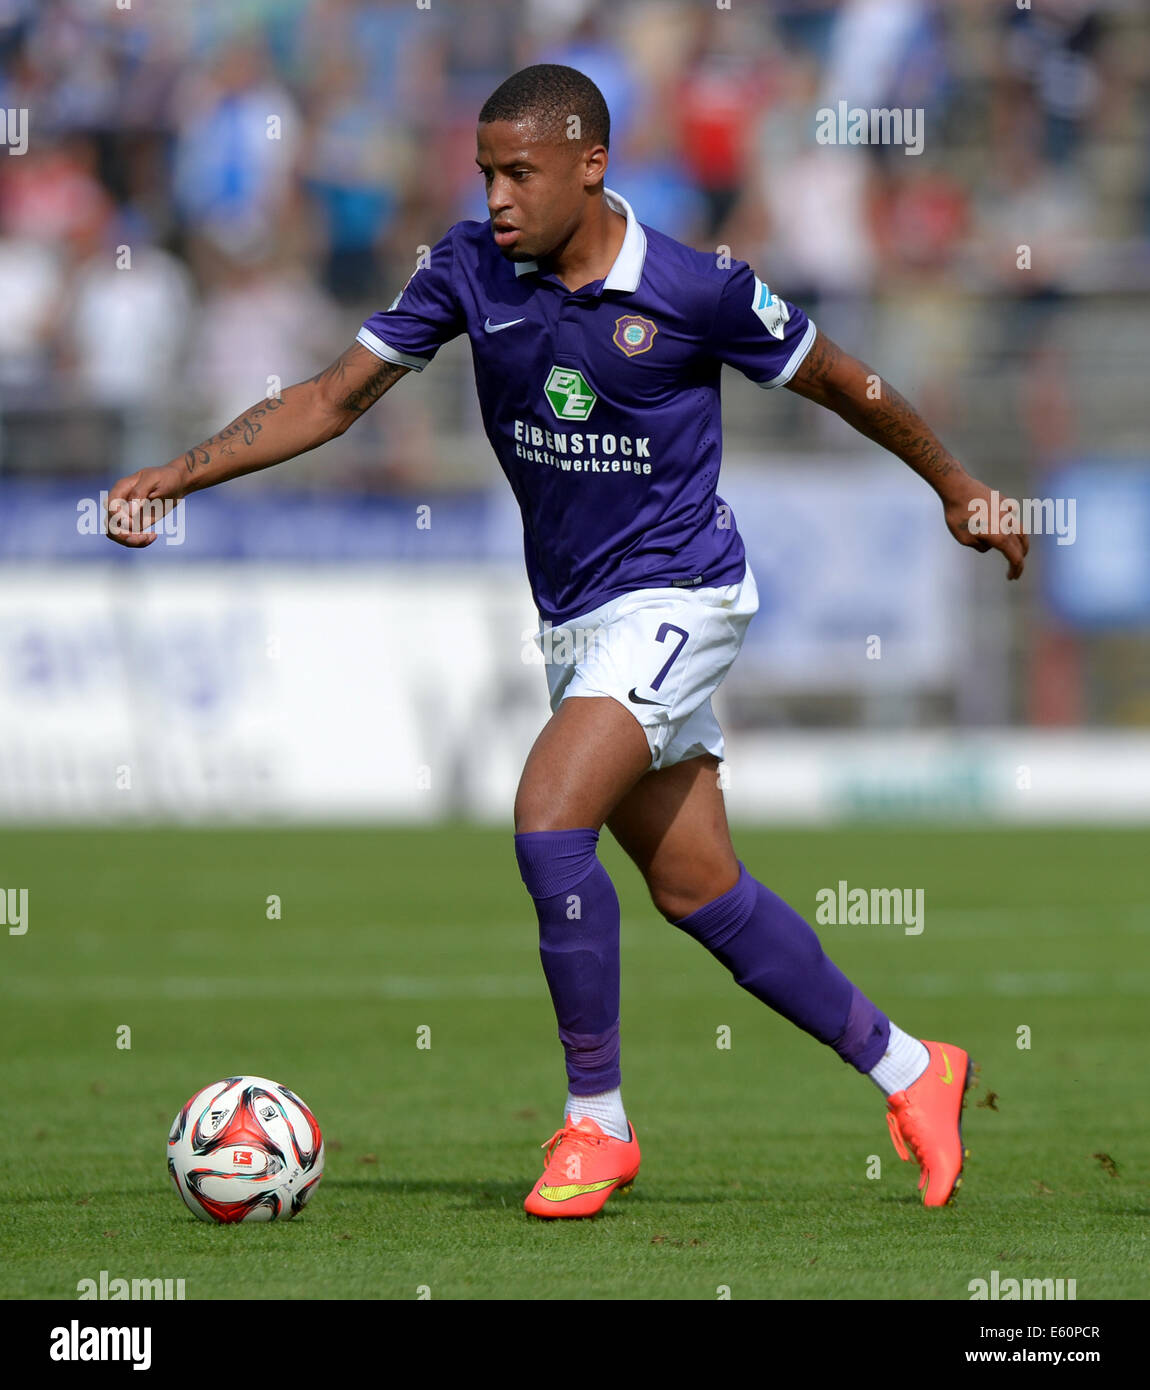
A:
[627,271]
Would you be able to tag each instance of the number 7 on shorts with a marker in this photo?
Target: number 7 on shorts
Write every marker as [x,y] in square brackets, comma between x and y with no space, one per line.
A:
[665,629]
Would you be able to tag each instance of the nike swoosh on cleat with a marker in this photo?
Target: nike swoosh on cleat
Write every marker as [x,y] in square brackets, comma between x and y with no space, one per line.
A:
[639,700]
[575,1189]
[490,327]
[949,1077]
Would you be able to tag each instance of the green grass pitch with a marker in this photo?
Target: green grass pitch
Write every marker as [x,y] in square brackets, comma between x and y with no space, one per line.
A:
[756,1156]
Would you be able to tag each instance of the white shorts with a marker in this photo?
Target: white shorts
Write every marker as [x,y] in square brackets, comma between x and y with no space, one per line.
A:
[662,653]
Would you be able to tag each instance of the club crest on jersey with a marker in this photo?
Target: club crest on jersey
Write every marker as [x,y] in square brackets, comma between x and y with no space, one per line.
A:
[770,308]
[633,334]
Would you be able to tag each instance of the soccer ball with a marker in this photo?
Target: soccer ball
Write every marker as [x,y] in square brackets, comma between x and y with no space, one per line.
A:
[245,1149]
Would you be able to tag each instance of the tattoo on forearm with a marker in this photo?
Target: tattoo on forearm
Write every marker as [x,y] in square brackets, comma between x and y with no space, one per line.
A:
[244,428]
[199,457]
[894,423]
[350,399]
[846,386]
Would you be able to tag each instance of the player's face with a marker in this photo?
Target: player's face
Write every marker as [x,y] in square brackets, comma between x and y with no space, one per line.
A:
[535,187]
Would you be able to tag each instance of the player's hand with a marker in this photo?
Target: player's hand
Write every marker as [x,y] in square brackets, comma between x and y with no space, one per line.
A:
[977,519]
[137,502]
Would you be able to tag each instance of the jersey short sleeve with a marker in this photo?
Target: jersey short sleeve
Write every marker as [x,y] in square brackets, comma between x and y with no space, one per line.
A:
[423,316]
[758,331]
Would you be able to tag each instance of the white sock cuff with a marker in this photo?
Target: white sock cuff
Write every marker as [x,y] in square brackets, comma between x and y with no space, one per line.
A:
[606,1109]
[903,1062]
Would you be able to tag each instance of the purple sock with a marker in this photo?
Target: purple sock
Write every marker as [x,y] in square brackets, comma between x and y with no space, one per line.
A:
[579,947]
[777,957]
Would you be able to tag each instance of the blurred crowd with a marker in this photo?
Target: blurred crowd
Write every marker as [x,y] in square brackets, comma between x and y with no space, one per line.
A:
[217,191]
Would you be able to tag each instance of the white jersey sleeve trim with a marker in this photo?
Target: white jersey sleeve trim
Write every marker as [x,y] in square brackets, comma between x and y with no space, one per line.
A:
[795,360]
[388,353]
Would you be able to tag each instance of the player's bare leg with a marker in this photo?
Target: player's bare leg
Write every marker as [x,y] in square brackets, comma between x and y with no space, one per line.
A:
[673,824]
[589,755]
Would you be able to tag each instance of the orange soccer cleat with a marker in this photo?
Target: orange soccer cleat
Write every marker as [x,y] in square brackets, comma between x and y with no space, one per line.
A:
[927,1118]
[581,1169]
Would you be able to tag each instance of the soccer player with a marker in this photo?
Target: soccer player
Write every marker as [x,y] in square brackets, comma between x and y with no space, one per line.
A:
[598,345]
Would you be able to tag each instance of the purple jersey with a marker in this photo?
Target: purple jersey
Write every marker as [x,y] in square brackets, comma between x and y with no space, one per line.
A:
[602,405]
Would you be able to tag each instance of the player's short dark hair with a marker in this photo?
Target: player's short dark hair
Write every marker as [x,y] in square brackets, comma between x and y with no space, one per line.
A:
[551,94]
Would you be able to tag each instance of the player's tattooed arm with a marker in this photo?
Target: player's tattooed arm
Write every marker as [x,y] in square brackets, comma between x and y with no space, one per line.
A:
[851,389]
[300,418]
[840,382]
[309,415]
[357,379]
[240,434]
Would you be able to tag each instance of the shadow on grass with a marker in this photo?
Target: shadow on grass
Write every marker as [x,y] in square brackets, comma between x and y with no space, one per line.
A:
[487,1194]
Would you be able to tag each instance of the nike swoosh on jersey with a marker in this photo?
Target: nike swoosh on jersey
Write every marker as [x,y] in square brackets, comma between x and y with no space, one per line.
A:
[574,1189]
[639,700]
[490,327]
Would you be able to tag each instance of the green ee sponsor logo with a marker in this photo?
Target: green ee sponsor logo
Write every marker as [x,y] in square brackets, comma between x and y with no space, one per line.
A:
[569,395]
